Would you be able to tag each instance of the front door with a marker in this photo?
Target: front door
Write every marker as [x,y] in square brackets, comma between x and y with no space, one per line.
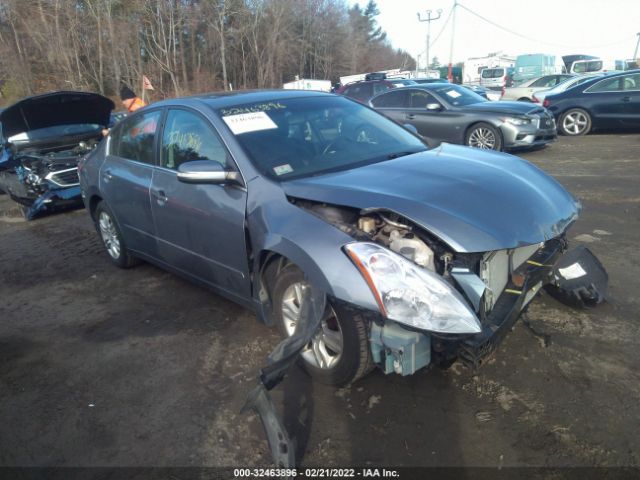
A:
[199,227]
[441,124]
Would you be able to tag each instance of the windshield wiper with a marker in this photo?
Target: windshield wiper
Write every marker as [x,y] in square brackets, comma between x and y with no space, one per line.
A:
[391,156]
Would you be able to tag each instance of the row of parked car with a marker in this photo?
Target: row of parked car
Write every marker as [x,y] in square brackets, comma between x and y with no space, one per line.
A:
[526,116]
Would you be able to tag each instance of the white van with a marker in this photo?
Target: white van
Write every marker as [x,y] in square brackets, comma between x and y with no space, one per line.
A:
[495,78]
[595,65]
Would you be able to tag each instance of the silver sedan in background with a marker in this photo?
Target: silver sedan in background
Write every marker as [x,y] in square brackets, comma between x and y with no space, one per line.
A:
[524,92]
[539,97]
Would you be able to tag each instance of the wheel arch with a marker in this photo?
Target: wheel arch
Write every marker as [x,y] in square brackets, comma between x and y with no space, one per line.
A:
[336,276]
[92,204]
[577,107]
[478,122]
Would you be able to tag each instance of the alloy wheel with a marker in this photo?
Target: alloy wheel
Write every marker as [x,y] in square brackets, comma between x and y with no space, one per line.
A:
[482,138]
[325,348]
[575,123]
[109,235]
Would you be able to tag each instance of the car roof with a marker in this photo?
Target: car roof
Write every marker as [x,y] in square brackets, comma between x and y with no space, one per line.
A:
[217,100]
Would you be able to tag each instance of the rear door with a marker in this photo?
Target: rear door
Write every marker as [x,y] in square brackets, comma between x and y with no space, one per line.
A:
[199,227]
[359,91]
[393,105]
[125,178]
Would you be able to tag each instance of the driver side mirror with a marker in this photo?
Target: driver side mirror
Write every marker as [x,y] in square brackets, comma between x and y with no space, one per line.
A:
[434,107]
[206,171]
[411,128]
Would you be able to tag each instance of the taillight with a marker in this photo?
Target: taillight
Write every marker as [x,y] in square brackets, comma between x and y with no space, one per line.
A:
[546,103]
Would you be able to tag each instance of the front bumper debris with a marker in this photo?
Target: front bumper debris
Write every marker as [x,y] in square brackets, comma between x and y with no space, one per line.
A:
[579,279]
[52,200]
[576,278]
[279,361]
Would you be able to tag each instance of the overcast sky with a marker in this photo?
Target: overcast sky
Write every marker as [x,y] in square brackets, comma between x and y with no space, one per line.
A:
[599,27]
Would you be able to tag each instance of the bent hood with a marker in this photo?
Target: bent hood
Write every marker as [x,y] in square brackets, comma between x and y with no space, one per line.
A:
[474,201]
[56,108]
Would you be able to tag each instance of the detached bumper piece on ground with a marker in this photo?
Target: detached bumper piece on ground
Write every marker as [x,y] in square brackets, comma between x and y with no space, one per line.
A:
[280,360]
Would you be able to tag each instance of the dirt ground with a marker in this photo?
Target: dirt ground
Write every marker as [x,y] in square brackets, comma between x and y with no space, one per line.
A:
[105,367]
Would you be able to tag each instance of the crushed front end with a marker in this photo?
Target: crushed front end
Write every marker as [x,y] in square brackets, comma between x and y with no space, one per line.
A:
[498,286]
[43,182]
[474,298]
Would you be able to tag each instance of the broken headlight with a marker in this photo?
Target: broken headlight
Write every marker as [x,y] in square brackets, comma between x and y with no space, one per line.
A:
[412,295]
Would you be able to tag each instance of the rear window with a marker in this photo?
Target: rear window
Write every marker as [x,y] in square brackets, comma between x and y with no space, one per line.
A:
[493,72]
[587,66]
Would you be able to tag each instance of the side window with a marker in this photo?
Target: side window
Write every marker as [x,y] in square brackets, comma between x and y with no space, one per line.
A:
[136,137]
[631,82]
[393,99]
[188,137]
[545,82]
[380,87]
[360,91]
[420,98]
[608,85]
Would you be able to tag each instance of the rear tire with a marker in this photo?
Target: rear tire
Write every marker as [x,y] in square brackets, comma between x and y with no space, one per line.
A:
[339,354]
[484,136]
[525,99]
[112,238]
[575,122]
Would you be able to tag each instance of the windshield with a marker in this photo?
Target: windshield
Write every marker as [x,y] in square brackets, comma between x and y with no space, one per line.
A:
[54,132]
[456,95]
[302,137]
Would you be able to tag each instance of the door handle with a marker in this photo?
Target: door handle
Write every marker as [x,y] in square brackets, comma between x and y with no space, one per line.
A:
[410,116]
[106,175]
[626,99]
[161,197]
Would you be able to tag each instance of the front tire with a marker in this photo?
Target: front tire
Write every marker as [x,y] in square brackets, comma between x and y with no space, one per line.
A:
[575,122]
[484,136]
[112,238]
[339,353]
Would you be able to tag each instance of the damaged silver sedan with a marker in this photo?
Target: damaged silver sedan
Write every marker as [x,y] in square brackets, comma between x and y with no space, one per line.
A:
[340,227]
[43,137]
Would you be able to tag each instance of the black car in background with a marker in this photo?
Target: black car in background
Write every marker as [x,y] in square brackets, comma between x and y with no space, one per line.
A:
[43,138]
[364,90]
[444,112]
[612,102]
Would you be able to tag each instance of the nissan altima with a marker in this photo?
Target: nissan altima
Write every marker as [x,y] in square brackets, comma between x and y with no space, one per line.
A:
[420,256]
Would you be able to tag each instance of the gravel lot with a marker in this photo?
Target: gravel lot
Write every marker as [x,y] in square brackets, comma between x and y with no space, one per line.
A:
[100,366]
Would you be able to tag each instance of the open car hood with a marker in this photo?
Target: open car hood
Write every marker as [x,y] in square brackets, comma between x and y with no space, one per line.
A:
[55,108]
[475,201]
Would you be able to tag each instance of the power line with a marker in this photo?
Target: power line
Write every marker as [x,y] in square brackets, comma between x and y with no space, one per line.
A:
[536,40]
[442,29]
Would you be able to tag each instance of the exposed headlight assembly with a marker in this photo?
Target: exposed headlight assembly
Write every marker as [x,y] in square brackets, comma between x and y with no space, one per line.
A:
[517,120]
[412,295]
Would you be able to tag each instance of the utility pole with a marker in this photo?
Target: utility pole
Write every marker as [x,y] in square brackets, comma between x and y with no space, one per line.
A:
[453,34]
[635,53]
[429,19]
